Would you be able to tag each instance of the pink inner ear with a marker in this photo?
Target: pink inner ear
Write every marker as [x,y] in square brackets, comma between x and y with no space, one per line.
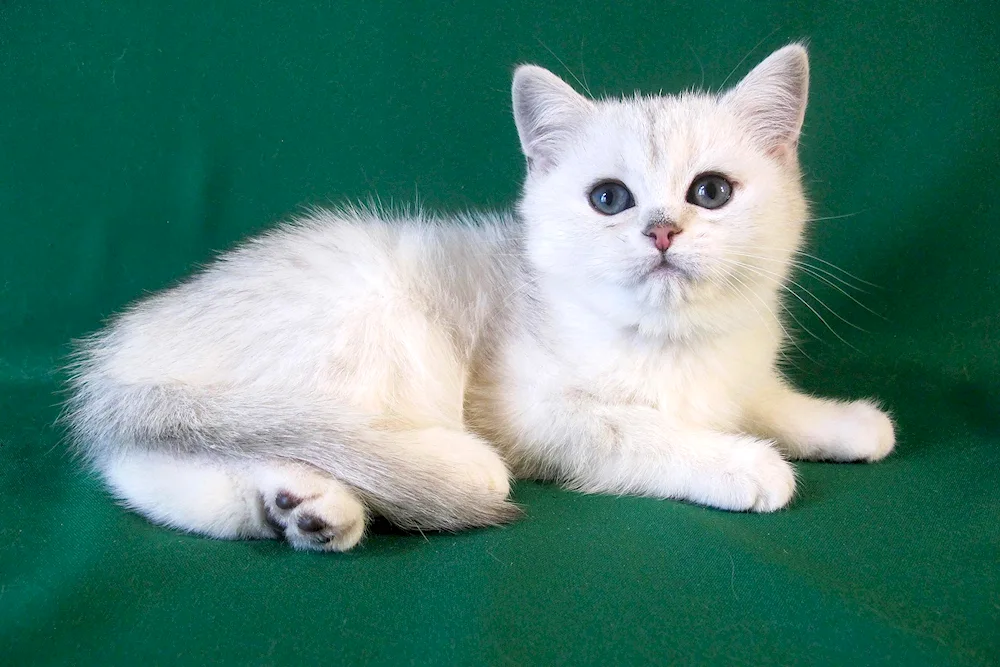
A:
[784,151]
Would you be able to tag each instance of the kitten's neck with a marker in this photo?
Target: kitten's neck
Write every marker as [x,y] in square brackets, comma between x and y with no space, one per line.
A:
[571,322]
[586,325]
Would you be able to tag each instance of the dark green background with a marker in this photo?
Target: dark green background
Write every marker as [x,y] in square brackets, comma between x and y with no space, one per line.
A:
[137,139]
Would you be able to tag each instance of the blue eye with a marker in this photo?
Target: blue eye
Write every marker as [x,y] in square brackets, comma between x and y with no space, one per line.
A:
[710,191]
[611,198]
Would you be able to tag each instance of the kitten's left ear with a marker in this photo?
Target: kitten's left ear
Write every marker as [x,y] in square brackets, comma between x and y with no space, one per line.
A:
[771,99]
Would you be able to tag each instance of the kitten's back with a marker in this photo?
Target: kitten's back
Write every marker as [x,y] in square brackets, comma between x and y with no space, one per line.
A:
[269,311]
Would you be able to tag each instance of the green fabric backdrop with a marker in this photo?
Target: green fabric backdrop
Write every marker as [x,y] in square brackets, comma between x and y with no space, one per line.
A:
[137,139]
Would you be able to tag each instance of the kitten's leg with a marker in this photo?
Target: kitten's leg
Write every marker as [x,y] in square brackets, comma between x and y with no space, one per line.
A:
[601,448]
[806,427]
[235,499]
[464,481]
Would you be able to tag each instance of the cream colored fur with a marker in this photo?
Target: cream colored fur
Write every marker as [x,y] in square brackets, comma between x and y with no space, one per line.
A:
[355,362]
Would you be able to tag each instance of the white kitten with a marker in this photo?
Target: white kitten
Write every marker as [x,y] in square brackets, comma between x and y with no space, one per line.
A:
[619,335]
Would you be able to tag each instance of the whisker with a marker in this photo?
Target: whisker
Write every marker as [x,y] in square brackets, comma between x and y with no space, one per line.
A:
[822,319]
[834,266]
[700,65]
[566,67]
[787,336]
[797,263]
[811,271]
[728,280]
[744,58]
[778,277]
[800,325]
[835,217]
[583,69]
[818,274]
[802,253]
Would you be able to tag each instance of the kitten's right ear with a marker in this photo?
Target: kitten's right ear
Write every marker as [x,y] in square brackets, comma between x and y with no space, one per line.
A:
[546,111]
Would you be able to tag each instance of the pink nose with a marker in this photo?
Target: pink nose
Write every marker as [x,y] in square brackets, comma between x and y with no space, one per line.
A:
[662,235]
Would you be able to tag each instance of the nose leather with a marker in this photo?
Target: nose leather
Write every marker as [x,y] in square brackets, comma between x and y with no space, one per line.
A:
[662,234]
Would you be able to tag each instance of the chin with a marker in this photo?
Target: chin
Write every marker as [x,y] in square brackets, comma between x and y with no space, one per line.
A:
[664,289]
[673,279]
[665,271]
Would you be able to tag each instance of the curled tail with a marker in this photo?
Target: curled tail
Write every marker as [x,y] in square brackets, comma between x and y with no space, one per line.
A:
[432,478]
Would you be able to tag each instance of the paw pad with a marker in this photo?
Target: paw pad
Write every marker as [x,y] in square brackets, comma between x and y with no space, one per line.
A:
[310,524]
[315,519]
[286,501]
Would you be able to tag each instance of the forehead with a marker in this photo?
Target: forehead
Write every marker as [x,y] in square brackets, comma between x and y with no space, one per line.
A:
[664,136]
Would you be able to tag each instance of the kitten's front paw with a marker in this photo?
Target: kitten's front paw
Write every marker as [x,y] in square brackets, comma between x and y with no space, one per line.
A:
[752,477]
[859,432]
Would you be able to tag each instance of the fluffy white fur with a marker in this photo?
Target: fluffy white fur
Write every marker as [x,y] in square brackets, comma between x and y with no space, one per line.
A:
[353,362]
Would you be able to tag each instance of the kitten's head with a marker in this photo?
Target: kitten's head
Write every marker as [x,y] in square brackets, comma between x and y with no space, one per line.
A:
[673,215]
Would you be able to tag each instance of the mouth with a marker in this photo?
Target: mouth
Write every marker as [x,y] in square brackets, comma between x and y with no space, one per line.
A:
[663,267]
[669,268]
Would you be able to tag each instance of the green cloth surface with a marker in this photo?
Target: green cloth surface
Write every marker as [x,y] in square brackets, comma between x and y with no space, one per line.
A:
[138,139]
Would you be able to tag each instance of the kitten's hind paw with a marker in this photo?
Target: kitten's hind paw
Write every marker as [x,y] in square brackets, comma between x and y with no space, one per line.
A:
[310,510]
